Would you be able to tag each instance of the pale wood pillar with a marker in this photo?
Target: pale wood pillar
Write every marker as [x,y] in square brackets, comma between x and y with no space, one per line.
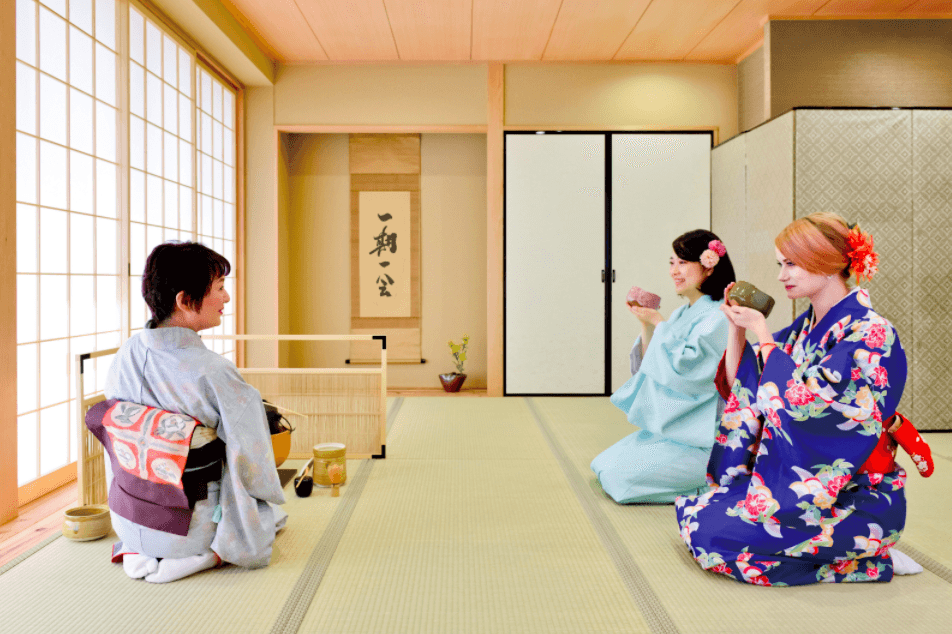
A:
[494,232]
[8,263]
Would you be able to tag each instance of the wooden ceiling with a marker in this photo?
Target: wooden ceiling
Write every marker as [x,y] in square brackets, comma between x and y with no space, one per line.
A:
[723,31]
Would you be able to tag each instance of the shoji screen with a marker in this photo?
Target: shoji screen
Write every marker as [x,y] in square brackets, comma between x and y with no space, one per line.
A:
[661,187]
[555,254]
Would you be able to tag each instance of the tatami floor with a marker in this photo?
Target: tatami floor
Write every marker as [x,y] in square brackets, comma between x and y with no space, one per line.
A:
[484,517]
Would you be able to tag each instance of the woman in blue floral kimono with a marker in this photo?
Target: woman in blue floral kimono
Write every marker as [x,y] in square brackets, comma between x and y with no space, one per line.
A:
[795,497]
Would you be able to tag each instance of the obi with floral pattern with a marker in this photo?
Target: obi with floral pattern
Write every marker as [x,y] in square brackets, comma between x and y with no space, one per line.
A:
[787,503]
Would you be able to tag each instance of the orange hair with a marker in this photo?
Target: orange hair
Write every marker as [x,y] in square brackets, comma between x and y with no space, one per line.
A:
[817,243]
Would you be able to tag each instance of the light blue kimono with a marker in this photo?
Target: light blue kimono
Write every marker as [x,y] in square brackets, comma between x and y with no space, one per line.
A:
[672,398]
[170,368]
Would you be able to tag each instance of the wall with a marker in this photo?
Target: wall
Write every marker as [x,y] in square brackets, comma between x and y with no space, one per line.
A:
[659,96]
[284,248]
[453,219]
[859,63]
[381,95]
[751,100]
[261,252]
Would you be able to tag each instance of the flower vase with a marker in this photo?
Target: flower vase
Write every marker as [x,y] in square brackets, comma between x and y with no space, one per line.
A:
[452,382]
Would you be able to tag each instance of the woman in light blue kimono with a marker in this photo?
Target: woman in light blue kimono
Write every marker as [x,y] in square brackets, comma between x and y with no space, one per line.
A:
[671,395]
[168,367]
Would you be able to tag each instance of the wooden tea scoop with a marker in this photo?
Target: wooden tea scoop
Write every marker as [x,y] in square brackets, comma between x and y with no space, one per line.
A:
[303,482]
[334,474]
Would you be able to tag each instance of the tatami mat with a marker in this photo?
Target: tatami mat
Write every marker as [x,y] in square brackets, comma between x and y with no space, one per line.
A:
[71,586]
[703,602]
[484,517]
[930,516]
[469,526]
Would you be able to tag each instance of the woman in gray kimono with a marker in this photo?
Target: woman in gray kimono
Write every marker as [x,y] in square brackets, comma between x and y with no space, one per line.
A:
[168,367]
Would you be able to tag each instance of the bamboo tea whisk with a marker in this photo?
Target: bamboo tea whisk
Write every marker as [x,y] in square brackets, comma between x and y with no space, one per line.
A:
[334,474]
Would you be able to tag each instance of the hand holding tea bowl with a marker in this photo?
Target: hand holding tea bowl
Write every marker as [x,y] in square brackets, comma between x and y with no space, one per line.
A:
[746,294]
[744,317]
[639,297]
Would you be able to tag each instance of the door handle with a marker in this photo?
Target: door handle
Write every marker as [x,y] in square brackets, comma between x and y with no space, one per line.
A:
[613,276]
[603,276]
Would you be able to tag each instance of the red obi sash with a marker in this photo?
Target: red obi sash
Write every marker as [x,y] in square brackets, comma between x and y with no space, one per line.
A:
[883,458]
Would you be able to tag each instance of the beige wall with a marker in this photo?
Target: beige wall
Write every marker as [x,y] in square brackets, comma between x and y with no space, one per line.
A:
[655,96]
[261,226]
[453,220]
[436,94]
[751,100]
[284,247]
[661,96]
[859,63]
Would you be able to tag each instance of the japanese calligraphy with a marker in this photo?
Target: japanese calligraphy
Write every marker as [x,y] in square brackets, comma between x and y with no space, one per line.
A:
[385,276]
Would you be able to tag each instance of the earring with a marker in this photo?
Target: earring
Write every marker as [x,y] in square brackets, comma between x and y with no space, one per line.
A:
[829,277]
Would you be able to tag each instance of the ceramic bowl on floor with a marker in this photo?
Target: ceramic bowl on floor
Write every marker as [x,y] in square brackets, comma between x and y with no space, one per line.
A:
[86,523]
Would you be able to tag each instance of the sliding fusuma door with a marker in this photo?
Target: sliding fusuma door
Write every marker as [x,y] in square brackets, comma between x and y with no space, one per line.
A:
[661,188]
[587,216]
[554,258]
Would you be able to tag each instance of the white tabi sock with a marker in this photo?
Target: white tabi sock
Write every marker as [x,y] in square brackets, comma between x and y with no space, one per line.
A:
[175,569]
[138,566]
[903,564]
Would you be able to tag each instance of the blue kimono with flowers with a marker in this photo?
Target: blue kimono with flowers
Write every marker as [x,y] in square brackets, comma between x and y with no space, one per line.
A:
[787,504]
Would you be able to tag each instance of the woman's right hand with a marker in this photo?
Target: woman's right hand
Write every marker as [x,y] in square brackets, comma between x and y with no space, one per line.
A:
[646,315]
[726,309]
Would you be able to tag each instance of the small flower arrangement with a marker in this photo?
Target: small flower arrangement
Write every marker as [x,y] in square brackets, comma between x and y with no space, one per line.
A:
[459,353]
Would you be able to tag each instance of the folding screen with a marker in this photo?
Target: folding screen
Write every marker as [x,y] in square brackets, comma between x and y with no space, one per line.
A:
[768,209]
[891,171]
[661,187]
[554,259]
[931,266]
[729,199]
[858,163]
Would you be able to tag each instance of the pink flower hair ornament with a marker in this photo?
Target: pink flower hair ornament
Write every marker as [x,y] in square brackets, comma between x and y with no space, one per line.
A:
[713,253]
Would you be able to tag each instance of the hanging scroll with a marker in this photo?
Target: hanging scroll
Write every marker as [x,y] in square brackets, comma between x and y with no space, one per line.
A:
[385,245]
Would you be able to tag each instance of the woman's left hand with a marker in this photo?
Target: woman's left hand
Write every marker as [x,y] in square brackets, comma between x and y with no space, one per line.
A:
[749,319]
[647,315]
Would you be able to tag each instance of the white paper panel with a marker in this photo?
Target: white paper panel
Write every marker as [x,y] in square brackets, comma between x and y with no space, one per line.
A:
[661,187]
[555,254]
[729,199]
[769,209]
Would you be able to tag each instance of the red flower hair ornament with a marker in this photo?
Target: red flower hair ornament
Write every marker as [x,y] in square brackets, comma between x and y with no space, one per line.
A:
[864,261]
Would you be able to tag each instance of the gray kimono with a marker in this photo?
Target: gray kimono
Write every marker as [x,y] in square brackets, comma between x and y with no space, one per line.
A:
[170,368]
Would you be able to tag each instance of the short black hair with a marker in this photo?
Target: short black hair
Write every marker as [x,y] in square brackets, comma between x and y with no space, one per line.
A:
[689,247]
[172,267]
